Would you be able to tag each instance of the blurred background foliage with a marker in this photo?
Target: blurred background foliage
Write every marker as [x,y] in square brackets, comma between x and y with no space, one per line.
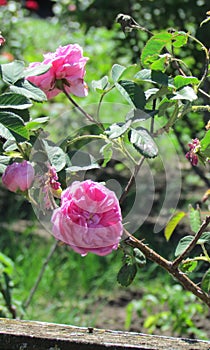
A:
[79,290]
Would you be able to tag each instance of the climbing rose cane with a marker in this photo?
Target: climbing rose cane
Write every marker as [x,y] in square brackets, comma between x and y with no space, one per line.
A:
[88,219]
[67,66]
[18,176]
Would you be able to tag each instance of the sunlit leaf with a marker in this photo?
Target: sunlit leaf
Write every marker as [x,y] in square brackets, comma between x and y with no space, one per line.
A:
[173,222]
[118,129]
[195,219]
[143,142]
[106,151]
[14,101]
[37,70]
[132,92]
[183,244]
[25,88]
[205,144]
[55,154]
[15,125]
[12,72]
[205,238]
[101,85]
[117,71]
[180,81]
[179,39]
[186,93]
[36,123]
[153,48]
[189,266]
[152,76]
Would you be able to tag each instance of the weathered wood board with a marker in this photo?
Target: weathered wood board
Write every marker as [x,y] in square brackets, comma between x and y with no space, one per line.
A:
[32,335]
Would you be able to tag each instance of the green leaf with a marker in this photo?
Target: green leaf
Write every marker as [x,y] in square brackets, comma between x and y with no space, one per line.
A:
[37,123]
[205,144]
[5,133]
[15,125]
[118,129]
[117,71]
[75,168]
[4,161]
[161,63]
[137,115]
[152,76]
[25,88]
[179,39]
[7,264]
[100,85]
[183,244]
[132,92]
[189,266]
[180,81]
[139,257]
[195,219]
[14,101]
[55,154]
[153,48]
[12,72]
[106,151]
[127,274]
[186,93]
[38,70]
[143,142]
[205,238]
[205,284]
[164,105]
[173,222]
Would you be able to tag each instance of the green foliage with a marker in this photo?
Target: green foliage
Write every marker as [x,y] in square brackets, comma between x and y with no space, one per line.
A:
[167,301]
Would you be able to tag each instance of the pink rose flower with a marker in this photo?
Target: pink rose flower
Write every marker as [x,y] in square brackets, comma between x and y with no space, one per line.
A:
[18,176]
[88,219]
[68,66]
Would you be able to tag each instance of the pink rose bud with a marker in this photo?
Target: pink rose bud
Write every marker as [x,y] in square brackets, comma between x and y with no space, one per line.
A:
[2,40]
[89,218]
[18,176]
[68,66]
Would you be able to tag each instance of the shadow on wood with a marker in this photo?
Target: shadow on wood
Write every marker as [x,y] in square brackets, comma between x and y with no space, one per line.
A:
[31,335]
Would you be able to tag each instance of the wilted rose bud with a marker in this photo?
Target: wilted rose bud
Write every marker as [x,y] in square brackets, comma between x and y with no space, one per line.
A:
[18,176]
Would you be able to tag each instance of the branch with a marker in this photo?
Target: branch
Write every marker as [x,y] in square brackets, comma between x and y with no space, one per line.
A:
[168,266]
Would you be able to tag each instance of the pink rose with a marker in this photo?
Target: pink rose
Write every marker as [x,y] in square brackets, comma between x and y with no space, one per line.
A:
[88,219]
[18,176]
[68,65]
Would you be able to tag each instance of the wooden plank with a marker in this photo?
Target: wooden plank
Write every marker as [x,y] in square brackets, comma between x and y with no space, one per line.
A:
[25,335]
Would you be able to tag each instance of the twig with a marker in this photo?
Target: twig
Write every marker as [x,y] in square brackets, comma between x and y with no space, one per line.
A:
[167,265]
[131,180]
[40,275]
[87,115]
[192,244]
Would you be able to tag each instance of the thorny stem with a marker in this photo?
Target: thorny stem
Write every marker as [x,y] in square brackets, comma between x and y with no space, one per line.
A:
[192,244]
[40,275]
[87,115]
[168,266]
